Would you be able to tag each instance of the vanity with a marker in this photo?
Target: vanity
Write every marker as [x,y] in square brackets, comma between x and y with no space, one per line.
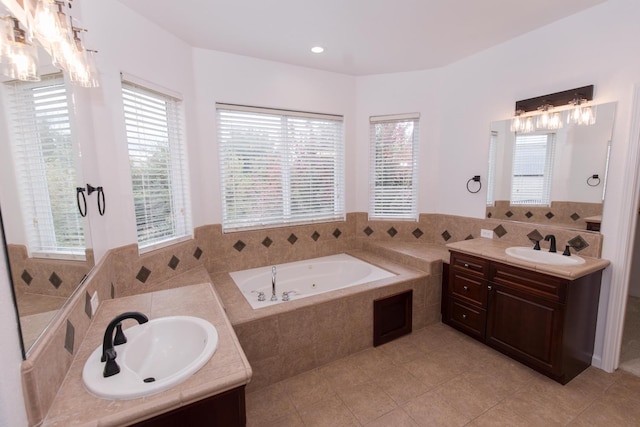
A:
[543,316]
[212,396]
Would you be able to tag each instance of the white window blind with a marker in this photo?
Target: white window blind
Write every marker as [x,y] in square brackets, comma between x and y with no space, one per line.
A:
[532,169]
[394,167]
[491,173]
[41,138]
[158,161]
[279,167]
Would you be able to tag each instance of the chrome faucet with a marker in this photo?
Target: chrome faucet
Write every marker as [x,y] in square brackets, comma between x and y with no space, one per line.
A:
[552,238]
[274,297]
[108,352]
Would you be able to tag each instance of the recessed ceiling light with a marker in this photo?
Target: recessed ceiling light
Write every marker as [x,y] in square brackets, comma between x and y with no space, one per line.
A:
[317,49]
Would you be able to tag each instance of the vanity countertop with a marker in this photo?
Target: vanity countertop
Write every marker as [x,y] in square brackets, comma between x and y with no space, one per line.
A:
[495,250]
[227,369]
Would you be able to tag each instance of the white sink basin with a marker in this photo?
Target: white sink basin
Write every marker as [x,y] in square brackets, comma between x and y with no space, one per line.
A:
[158,355]
[542,256]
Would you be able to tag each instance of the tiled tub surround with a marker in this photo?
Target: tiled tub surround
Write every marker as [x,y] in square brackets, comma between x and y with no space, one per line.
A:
[227,369]
[286,339]
[211,251]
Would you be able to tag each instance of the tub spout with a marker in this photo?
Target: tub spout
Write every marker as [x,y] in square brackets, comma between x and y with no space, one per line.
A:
[274,297]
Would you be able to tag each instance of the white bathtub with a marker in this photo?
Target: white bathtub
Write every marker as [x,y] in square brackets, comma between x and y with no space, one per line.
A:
[306,278]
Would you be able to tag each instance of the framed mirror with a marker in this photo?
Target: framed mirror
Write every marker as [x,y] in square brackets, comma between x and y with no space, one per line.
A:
[47,238]
[551,177]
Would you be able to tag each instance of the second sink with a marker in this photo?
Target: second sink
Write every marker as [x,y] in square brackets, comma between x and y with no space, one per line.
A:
[543,257]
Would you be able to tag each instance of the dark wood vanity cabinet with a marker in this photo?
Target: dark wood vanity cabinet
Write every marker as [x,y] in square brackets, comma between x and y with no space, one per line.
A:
[543,321]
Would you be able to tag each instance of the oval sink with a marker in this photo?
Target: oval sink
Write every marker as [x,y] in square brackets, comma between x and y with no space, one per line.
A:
[158,355]
[542,256]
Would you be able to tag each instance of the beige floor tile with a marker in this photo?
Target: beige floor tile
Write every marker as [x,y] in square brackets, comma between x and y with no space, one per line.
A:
[367,401]
[470,399]
[431,410]
[328,413]
[373,361]
[538,409]
[396,418]
[499,417]
[343,373]
[401,350]
[609,412]
[289,420]
[308,389]
[400,385]
[269,403]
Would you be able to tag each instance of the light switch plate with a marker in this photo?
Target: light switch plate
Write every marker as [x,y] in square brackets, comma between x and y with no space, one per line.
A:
[486,233]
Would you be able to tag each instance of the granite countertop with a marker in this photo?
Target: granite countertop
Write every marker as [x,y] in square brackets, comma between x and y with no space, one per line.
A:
[495,250]
[227,369]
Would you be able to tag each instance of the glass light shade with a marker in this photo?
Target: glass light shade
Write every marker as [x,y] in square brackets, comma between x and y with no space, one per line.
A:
[84,71]
[24,63]
[50,23]
[581,115]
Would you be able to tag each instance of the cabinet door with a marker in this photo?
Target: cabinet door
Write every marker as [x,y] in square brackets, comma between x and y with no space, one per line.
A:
[525,327]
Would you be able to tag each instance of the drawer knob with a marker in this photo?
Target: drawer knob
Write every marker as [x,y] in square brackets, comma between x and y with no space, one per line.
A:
[466,265]
[489,287]
[465,287]
[464,316]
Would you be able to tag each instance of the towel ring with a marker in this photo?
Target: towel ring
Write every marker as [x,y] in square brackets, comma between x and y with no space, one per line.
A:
[476,178]
[593,180]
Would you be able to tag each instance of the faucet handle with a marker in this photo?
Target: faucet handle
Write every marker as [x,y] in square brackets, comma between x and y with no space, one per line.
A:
[119,338]
[261,296]
[286,295]
[536,246]
[567,251]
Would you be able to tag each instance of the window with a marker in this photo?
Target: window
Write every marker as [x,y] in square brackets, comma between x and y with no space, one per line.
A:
[394,167]
[41,138]
[279,167]
[532,169]
[158,164]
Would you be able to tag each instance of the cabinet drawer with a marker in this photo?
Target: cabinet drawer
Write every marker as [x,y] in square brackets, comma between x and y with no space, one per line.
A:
[469,288]
[542,285]
[468,264]
[468,318]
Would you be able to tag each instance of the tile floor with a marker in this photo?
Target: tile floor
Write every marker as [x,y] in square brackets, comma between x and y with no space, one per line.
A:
[630,349]
[439,377]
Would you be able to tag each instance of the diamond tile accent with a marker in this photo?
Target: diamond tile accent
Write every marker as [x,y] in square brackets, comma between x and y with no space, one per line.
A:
[508,214]
[143,274]
[489,214]
[368,231]
[535,236]
[239,246]
[315,236]
[87,304]
[529,214]
[469,237]
[69,337]
[578,243]
[445,235]
[417,233]
[292,238]
[55,280]
[500,231]
[198,253]
[549,215]
[267,242]
[26,277]
[574,216]
[337,233]
[113,291]
[173,263]
[392,232]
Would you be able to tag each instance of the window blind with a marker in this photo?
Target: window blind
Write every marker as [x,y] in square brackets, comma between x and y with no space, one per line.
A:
[42,146]
[279,167]
[158,161]
[532,169]
[394,167]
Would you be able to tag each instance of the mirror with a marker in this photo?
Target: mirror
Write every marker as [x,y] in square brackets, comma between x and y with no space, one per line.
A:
[552,177]
[47,240]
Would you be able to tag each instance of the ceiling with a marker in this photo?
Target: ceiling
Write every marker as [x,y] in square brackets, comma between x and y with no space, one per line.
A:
[360,37]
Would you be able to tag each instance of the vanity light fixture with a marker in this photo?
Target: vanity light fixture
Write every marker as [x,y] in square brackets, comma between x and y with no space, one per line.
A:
[317,49]
[55,32]
[548,110]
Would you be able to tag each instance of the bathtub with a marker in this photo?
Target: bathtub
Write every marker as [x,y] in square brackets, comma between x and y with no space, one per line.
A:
[305,278]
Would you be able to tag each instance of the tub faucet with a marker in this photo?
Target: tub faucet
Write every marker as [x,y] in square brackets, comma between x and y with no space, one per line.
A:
[108,352]
[552,238]
[274,297]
